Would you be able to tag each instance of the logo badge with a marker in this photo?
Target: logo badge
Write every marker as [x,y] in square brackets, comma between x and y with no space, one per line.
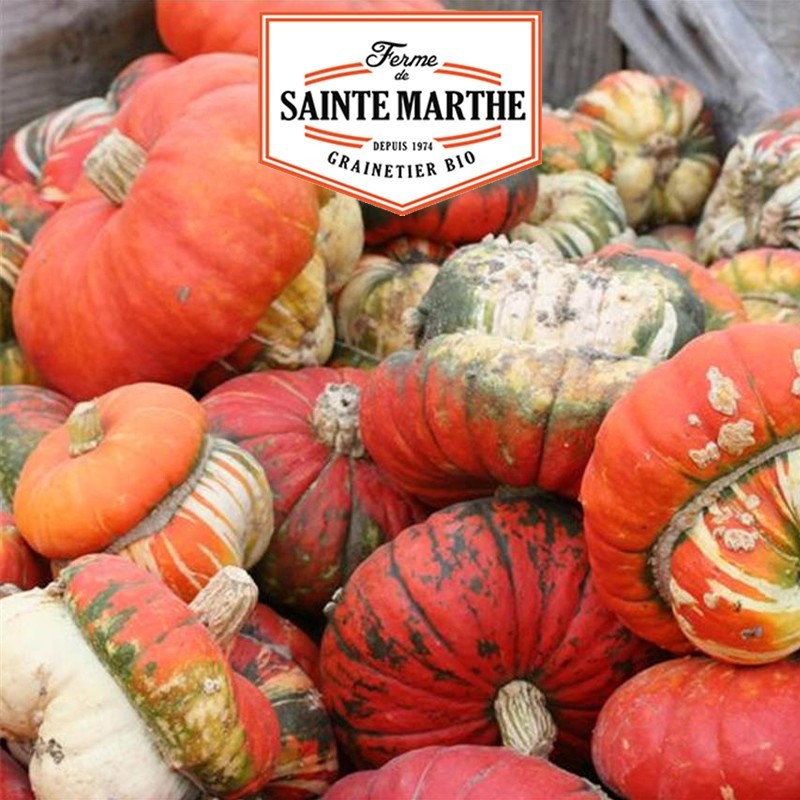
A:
[401,110]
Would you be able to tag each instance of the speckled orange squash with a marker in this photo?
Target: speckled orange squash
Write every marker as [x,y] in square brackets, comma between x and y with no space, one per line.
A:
[694,727]
[134,472]
[767,280]
[691,498]
[152,296]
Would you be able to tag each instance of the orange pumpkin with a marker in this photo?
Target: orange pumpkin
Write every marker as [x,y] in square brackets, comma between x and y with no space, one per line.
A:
[691,498]
[174,258]
[190,27]
[134,473]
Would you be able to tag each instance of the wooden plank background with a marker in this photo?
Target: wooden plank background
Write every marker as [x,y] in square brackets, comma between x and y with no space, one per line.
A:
[53,52]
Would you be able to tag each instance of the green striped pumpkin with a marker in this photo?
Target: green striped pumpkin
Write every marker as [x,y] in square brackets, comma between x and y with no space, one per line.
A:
[577,214]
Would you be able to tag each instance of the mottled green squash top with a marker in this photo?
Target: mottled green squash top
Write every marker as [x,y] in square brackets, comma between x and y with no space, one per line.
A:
[620,308]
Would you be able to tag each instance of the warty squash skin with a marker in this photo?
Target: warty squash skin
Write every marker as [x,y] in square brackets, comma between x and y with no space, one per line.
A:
[722,305]
[152,296]
[126,673]
[692,493]
[477,625]
[694,727]
[756,201]
[135,473]
[661,131]
[468,772]
[618,306]
[767,280]
[470,412]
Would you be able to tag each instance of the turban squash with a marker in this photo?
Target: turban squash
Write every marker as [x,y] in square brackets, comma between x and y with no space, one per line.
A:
[767,280]
[694,727]
[692,493]
[480,624]
[109,649]
[135,473]
[661,131]
[333,505]
[151,294]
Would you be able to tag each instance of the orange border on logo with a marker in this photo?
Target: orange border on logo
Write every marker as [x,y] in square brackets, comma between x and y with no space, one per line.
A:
[401,209]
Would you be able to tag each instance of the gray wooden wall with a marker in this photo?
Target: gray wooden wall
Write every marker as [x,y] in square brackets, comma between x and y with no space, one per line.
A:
[53,52]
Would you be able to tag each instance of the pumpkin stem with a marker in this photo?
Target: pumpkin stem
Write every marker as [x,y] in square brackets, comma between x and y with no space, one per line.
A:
[225,603]
[664,149]
[335,419]
[525,723]
[113,164]
[85,428]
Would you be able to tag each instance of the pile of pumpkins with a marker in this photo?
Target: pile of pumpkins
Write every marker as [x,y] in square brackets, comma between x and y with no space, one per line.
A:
[304,499]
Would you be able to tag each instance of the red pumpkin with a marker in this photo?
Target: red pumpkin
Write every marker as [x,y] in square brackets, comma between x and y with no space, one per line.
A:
[695,728]
[478,625]
[266,625]
[332,504]
[468,772]
[151,295]
[27,413]
[467,217]
[14,783]
[307,763]
[191,27]
[18,563]
[136,74]
[691,496]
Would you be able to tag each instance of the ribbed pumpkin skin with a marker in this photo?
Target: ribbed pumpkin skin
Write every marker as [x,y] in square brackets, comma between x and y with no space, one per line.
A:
[467,217]
[331,509]
[191,27]
[14,783]
[151,296]
[18,563]
[722,305]
[693,727]
[756,201]
[666,162]
[576,214]
[154,488]
[470,412]
[162,656]
[767,280]
[370,309]
[307,763]
[691,497]
[570,142]
[27,413]
[618,306]
[435,622]
[468,772]
[22,208]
